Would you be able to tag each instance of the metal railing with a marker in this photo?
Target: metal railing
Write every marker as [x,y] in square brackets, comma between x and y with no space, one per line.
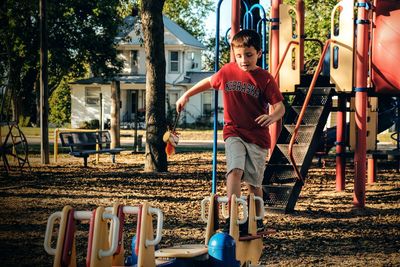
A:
[283,58]
[304,107]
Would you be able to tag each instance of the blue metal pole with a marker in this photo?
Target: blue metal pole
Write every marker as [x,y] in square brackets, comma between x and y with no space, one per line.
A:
[216,68]
[264,33]
[245,17]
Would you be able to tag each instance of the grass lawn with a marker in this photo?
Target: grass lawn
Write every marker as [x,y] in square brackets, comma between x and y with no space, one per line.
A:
[185,134]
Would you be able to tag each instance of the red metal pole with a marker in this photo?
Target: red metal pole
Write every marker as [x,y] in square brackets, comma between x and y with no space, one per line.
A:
[235,22]
[340,143]
[274,129]
[361,104]
[371,170]
[300,10]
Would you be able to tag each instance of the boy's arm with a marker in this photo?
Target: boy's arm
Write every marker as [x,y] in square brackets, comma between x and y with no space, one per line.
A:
[199,87]
[266,120]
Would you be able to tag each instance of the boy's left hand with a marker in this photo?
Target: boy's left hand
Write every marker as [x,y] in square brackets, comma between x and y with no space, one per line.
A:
[264,120]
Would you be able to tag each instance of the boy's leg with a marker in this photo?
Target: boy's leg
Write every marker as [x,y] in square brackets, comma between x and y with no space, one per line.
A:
[235,161]
[257,191]
[233,182]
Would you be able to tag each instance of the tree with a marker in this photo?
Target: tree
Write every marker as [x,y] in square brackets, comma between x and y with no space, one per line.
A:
[317,26]
[79,32]
[209,55]
[189,14]
[153,37]
[60,105]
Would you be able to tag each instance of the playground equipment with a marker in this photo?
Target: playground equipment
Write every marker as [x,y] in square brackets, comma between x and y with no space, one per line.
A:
[13,143]
[14,147]
[106,241]
[105,245]
[361,70]
[100,252]
[248,248]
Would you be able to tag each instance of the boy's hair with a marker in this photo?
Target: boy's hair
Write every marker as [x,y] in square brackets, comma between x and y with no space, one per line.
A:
[247,38]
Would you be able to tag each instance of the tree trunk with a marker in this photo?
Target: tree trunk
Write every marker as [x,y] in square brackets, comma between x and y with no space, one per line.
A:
[115,116]
[153,35]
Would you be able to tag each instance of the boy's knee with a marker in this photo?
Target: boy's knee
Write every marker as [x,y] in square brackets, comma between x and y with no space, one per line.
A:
[235,173]
[254,189]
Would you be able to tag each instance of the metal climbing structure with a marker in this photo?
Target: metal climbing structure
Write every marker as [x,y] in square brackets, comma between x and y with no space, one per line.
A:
[358,67]
[14,147]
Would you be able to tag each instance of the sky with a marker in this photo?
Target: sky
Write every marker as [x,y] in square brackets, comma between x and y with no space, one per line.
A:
[225,20]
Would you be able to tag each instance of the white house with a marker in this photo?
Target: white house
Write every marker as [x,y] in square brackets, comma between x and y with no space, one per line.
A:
[183,55]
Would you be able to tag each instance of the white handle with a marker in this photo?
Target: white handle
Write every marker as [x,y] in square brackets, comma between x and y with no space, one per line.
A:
[262,206]
[114,236]
[130,210]
[160,220]
[49,231]
[245,211]
[224,201]
[203,208]
[224,211]
[125,209]
[78,215]
[82,215]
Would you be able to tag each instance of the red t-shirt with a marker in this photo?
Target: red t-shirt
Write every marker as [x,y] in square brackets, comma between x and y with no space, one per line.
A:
[246,96]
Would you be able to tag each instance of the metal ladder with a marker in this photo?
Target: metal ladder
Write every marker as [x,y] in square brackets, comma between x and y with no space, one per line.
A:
[281,185]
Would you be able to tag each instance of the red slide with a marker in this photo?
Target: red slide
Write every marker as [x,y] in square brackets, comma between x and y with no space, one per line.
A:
[386,47]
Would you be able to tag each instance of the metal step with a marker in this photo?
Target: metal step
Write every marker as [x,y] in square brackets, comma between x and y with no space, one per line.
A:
[304,135]
[279,174]
[277,196]
[311,116]
[299,152]
[319,97]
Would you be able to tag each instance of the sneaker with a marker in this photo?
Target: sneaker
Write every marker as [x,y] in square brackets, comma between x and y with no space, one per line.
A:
[260,226]
[225,226]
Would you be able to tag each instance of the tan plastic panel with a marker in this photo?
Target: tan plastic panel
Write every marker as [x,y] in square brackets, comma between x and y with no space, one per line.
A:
[289,74]
[343,75]
[182,251]
[246,251]
[372,124]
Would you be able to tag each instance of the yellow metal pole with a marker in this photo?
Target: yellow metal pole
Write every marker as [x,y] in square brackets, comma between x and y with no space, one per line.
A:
[55,144]
[97,149]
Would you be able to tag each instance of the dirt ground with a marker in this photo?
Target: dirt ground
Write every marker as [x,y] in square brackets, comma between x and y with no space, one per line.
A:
[324,230]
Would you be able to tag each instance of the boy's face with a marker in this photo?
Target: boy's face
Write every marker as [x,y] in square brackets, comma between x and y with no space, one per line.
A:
[246,57]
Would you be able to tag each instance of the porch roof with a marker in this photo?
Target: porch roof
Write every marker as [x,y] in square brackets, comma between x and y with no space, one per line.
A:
[136,79]
[193,77]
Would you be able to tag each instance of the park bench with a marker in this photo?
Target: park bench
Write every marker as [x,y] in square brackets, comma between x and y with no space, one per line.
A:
[84,144]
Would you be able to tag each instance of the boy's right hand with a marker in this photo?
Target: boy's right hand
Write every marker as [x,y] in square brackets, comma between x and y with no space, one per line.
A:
[180,104]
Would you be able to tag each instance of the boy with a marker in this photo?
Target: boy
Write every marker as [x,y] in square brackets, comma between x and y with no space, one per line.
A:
[247,91]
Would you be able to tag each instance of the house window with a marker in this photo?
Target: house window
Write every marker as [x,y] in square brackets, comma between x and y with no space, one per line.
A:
[92,95]
[206,100]
[173,61]
[134,62]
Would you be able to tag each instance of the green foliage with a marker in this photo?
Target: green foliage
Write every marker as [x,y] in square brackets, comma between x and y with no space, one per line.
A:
[80,33]
[209,55]
[23,121]
[60,105]
[317,26]
[189,14]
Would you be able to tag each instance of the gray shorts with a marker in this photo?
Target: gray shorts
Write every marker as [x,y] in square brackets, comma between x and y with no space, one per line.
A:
[248,157]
